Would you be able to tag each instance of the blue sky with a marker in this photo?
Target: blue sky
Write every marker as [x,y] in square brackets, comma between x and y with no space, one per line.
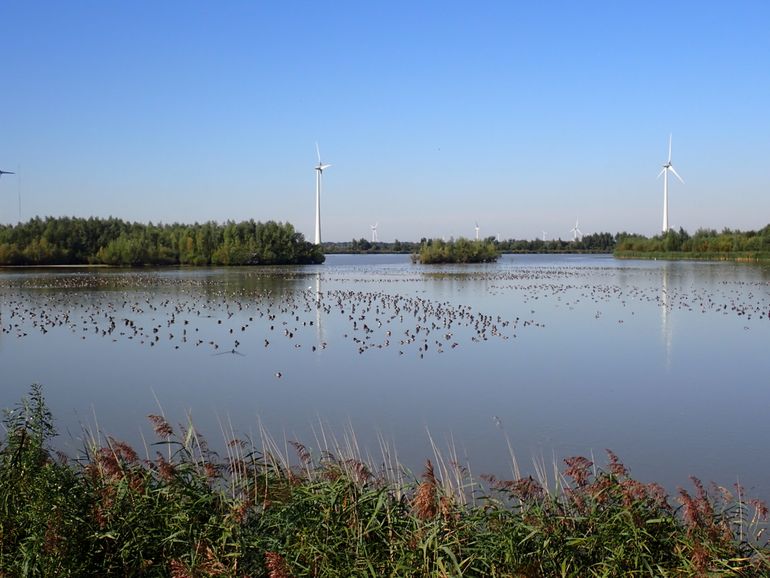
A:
[434,115]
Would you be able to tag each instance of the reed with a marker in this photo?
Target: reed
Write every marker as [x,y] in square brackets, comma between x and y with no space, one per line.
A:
[287,510]
[737,256]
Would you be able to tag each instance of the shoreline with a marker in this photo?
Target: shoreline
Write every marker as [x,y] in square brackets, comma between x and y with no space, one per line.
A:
[738,257]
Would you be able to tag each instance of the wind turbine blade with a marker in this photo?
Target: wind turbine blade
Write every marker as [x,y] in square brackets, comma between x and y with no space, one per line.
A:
[669,147]
[676,174]
[318,152]
[660,174]
[323,167]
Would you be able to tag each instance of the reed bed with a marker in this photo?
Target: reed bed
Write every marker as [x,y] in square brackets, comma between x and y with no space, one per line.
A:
[260,508]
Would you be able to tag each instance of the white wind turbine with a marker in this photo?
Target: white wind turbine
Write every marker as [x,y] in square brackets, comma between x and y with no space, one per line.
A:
[477,230]
[2,172]
[576,233]
[319,169]
[666,168]
[375,239]
[544,234]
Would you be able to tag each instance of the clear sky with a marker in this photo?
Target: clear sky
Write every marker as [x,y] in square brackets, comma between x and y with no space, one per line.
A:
[522,116]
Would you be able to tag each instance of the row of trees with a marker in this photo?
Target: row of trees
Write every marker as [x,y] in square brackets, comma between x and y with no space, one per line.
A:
[55,241]
[364,246]
[78,241]
[703,242]
[594,243]
[460,251]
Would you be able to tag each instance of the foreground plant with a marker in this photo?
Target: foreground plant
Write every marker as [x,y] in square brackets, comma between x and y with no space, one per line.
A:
[187,512]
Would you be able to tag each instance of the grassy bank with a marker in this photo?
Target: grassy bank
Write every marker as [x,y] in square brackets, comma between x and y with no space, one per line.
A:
[182,510]
[737,256]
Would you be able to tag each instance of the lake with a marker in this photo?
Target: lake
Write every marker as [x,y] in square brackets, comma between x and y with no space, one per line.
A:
[665,363]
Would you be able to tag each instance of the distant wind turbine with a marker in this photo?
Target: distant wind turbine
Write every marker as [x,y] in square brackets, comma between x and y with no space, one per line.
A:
[375,239]
[477,230]
[18,188]
[544,234]
[2,172]
[666,168]
[576,234]
[319,171]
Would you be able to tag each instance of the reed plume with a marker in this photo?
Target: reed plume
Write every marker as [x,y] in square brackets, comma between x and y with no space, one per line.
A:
[425,501]
[276,566]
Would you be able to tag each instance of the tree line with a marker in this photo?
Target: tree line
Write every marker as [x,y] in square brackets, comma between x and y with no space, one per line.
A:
[112,241]
[364,246]
[92,241]
[594,243]
[704,243]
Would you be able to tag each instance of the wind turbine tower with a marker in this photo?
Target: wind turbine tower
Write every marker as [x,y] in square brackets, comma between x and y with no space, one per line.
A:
[666,168]
[477,230]
[375,239]
[319,169]
[2,172]
[576,233]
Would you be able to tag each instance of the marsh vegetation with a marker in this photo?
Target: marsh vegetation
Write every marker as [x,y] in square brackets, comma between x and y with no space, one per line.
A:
[433,251]
[183,510]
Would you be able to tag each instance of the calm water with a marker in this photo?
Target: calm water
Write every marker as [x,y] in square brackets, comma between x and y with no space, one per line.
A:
[664,363]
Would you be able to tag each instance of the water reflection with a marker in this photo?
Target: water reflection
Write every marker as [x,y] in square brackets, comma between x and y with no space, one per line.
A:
[665,307]
[318,297]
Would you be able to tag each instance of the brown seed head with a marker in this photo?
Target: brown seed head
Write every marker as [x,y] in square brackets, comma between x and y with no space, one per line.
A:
[161,426]
[425,499]
[276,566]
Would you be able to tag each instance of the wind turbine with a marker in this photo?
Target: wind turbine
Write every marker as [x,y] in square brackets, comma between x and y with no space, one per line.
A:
[375,239]
[576,234]
[477,230]
[18,188]
[666,168]
[2,172]
[544,234]
[319,171]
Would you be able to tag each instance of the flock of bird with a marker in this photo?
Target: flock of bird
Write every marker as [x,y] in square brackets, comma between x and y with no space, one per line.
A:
[222,319]
[223,316]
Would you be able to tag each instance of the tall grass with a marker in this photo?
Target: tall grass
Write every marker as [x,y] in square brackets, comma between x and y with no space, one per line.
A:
[262,510]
